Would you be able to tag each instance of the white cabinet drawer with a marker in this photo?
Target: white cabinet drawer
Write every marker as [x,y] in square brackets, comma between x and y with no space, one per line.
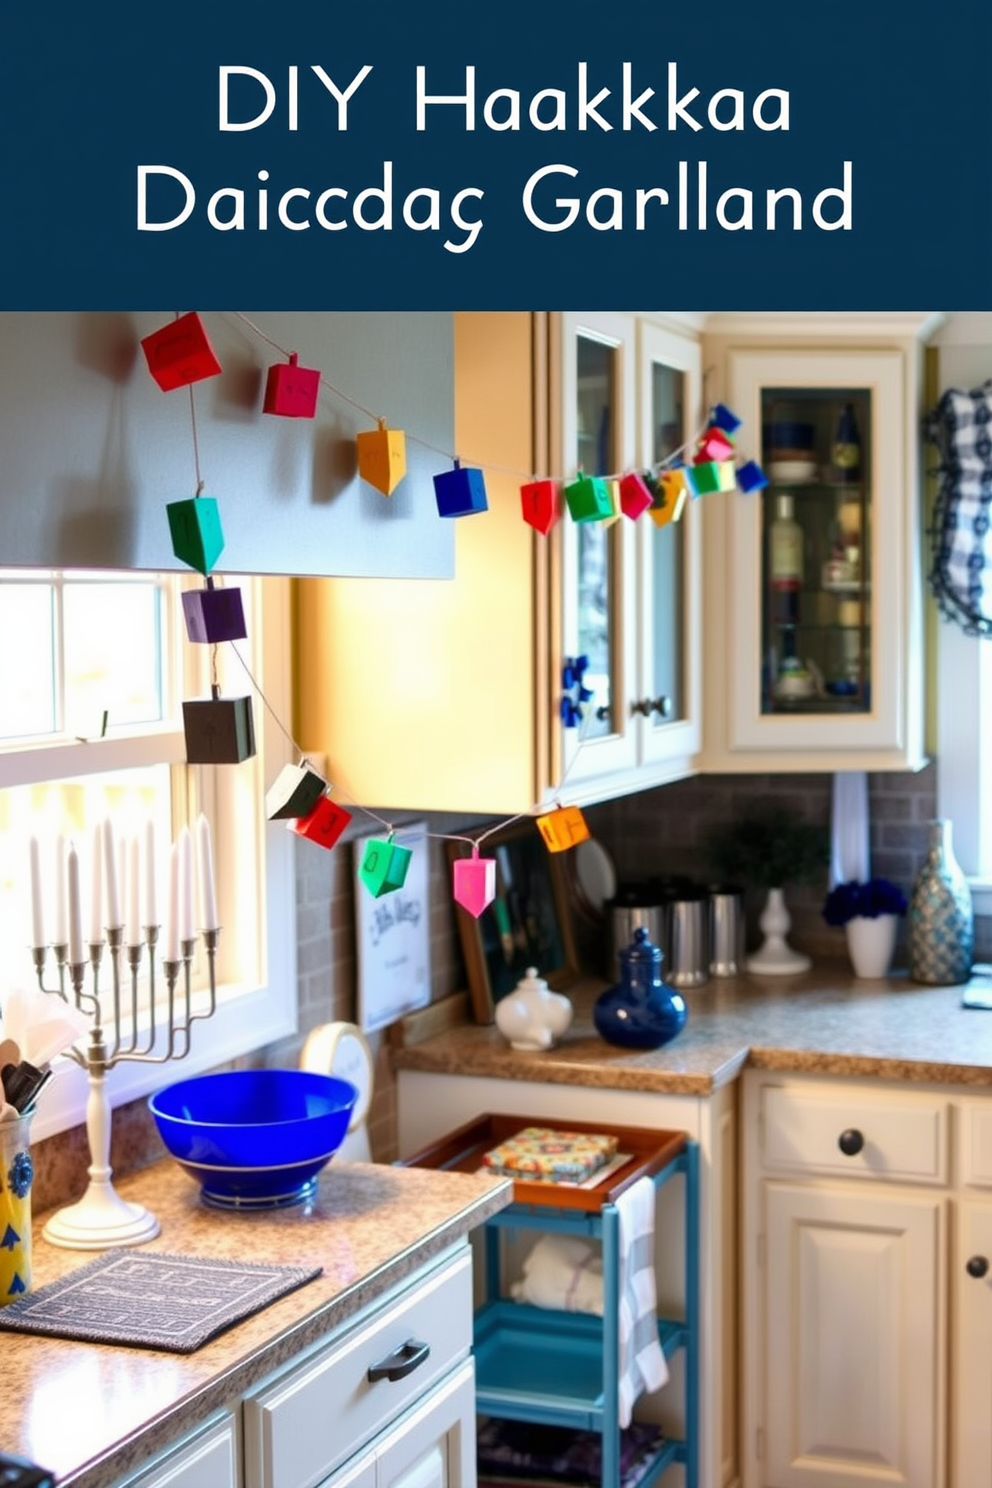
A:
[310,1419]
[851,1133]
[208,1460]
[976,1143]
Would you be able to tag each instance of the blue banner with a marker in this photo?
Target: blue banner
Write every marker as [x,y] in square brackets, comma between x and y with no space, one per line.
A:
[531,154]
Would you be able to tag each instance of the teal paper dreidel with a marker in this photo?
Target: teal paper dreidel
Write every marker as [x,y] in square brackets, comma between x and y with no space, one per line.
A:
[588,498]
[460,492]
[197,538]
[323,825]
[382,457]
[383,866]
[474,882]
[540,504]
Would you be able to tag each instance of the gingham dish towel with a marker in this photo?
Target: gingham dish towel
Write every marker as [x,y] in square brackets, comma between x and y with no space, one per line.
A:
[642,1364]
[961,568]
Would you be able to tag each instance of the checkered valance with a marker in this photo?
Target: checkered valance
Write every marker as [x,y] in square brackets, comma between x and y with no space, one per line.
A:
[961,568]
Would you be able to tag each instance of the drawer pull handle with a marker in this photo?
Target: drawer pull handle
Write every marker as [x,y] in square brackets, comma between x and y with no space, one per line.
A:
[401,1362]
[850,1142]
[977,1266]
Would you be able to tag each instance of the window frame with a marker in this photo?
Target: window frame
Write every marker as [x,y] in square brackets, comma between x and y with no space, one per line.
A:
[964,752]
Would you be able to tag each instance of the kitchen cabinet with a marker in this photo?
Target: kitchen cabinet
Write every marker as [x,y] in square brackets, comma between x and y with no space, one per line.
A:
[208,1459]
[625,594]
[813,587]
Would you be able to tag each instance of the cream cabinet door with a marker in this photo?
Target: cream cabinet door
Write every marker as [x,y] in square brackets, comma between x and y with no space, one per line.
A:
[971,1376]
[852,1338]
[433,1446]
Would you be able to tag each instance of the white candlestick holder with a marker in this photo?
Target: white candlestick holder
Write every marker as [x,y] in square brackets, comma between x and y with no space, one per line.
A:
[101,1219]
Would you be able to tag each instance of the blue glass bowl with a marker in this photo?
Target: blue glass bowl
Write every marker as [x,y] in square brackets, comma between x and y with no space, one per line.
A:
[254,1138]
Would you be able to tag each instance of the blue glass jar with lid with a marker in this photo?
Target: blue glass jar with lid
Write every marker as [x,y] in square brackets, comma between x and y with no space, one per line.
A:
[642,1011]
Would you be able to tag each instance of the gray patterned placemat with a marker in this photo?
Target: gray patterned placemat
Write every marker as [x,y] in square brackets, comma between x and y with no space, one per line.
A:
[152,1300]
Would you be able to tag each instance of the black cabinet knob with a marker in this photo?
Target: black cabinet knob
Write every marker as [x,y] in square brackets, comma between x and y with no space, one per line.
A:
[977,1266]
[850,1142]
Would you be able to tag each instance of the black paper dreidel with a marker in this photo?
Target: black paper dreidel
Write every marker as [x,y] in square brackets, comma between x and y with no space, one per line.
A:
[294,792]
[219,731]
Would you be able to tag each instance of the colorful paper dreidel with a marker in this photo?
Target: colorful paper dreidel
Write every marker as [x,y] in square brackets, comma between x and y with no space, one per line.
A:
[673,489]
[219,731]
[588,498]
[541,504]
[724,418]
[705,477]
[474,882]
[714,445]
[291,390]
[575,693]
[197,538]
[323,825]
[382,457]
[180,353]
[635,495]
[294,792]
[727,472]
[213,615]
[751,477]
[460,491]
[383,866]
[562,828]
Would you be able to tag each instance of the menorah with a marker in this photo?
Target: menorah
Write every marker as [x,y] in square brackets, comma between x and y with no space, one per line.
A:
[125,1027]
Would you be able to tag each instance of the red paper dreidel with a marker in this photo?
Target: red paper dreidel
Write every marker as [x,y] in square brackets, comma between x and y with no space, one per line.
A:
[219,731]
[460,492]
[635,495]
[474,882]
[563,828]
[180,353]
[715,445]
[197,538]
[291,390]
[294,792]
[382,457]
[214,615]
[588,498]
[323,825]
[383,866]
[541,504]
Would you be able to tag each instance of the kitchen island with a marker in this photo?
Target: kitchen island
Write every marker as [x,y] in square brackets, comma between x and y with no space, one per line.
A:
[94,1413]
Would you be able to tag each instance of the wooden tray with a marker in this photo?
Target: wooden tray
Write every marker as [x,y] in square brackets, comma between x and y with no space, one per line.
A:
[462,1151]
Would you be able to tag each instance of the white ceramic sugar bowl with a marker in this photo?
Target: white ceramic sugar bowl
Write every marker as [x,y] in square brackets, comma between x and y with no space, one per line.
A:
[532,1016]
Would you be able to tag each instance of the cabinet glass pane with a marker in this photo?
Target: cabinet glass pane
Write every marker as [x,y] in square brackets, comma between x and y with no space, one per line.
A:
[816,547]
[596,455]
[667,555]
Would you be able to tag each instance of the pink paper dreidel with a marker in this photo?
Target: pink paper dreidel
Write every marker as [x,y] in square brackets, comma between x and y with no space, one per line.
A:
[291,390]
[474,882]
[635,496]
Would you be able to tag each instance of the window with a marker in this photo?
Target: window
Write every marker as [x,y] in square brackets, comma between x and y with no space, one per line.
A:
[964,752]
[90,728]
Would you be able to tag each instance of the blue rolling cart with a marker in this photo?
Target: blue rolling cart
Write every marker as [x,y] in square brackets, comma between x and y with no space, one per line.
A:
[561,1368]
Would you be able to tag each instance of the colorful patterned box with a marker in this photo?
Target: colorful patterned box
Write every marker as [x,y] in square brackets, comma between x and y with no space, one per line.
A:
[542,1154]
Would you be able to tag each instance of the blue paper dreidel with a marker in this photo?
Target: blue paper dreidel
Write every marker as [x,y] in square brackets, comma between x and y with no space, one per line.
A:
[197,539]
[180,353]
[219,731]
[460,492]
[563,828]
[323,825]
[291,390]
[541,504]
[294,792]
[751,477]
[588,498]
[474,882]
[635,495]
[213,615]
[383,866]
[724,418]
[382,457]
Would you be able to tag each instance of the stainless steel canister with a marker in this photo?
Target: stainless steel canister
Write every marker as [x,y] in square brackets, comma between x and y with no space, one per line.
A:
[632,908]
[688,941]
[726,916]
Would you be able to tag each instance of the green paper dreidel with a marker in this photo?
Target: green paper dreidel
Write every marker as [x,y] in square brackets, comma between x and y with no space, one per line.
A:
[383,867]
[197,538]
[588,499]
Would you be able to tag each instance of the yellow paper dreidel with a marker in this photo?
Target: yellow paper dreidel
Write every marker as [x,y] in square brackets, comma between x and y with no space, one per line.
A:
[474,882]
[563,828]
[382,457]
[673,489]
[383,866]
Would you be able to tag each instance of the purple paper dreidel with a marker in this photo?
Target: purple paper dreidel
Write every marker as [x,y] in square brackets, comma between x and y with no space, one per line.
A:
[214,615]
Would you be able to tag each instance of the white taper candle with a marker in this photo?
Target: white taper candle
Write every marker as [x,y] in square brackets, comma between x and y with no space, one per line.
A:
[185,884]
[60,927]
[172,916]
[37,909]
[114,920]
[96,887]
[133,898]
[151,906]
[70,867]
[208,897]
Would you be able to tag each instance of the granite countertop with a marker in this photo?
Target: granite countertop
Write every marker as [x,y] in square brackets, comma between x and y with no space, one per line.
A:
[824,1021]
[92,1412]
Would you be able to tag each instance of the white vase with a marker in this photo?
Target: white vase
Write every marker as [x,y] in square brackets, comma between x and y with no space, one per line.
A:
[776,957]
[870,943]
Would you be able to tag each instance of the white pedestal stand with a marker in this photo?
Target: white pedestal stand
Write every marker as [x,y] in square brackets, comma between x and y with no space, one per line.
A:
[776,957]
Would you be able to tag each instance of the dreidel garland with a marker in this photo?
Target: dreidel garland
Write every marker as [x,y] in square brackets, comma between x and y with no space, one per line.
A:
[220,730]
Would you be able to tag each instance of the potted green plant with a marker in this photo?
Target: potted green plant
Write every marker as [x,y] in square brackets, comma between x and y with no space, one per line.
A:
[869,912]
[769,848]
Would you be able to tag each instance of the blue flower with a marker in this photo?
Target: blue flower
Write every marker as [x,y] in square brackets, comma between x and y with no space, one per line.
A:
[849,901]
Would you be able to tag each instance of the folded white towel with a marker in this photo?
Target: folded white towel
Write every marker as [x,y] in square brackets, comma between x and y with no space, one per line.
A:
[642,1363]
[564,1272]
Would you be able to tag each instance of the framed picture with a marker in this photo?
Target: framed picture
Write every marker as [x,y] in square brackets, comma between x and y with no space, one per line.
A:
[527,924]
[392,935]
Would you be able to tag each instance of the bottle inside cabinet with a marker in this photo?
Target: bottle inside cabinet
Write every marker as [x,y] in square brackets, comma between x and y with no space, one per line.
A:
[816,580]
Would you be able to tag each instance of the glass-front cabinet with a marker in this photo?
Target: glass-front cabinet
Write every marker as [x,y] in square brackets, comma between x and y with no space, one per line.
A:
[815,646]
[629,588]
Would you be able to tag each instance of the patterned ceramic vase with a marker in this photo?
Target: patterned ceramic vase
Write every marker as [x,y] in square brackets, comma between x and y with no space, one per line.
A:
[941,918]
[16,1173]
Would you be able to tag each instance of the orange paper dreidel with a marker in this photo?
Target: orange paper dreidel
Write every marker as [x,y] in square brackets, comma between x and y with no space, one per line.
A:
[563,828]
[382,457]
[673,488]
[474,882]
